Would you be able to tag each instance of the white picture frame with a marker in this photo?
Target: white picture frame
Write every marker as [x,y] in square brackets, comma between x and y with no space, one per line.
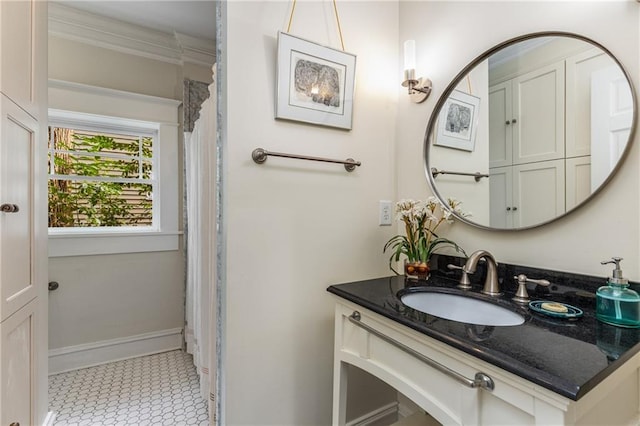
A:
[314,83]
[458,122]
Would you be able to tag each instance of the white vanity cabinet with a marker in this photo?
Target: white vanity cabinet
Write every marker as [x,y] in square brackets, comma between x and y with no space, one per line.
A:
[513,400]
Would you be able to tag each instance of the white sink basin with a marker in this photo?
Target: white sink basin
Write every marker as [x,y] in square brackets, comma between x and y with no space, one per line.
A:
[461,308]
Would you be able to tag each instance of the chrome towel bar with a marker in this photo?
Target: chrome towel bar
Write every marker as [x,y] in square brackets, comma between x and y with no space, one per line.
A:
[480,380]
[477,175]
[260,155]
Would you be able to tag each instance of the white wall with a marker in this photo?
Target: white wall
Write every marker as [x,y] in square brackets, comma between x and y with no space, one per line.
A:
[452,36]
[107,297]
[114,296]
[464,188]
[294,227]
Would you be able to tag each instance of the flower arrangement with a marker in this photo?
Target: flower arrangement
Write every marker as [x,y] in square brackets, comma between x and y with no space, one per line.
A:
[421,220]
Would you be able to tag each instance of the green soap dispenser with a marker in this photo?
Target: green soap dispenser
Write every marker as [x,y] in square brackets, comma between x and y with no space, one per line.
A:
[616,303]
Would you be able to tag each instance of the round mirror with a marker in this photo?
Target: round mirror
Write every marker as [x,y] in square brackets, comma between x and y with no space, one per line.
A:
[530,130]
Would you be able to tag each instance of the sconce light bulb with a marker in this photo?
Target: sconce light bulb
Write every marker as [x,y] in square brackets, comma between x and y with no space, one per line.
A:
[314,90]
[410,55]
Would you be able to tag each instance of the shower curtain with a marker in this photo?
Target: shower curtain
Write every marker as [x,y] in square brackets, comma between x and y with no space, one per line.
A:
[200,175]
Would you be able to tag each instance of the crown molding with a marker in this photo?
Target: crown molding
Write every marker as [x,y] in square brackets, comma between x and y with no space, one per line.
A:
[80,26]
[196,50]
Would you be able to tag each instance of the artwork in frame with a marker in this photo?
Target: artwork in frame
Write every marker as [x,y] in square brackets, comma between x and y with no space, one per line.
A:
[315,83]
[458,121]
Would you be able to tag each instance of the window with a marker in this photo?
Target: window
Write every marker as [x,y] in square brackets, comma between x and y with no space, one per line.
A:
[113,171]
[100,177]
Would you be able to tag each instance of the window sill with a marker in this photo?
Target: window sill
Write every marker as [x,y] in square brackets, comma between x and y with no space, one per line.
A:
[96,243]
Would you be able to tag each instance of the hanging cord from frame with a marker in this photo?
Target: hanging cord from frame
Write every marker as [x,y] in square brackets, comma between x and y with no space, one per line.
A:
[469,83]
[335,9]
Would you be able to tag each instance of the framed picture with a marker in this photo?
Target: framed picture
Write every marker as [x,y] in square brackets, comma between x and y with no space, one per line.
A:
[458,121]
[314,83]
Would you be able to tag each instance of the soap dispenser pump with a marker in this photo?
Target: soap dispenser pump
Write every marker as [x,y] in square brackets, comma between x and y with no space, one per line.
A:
[616,303]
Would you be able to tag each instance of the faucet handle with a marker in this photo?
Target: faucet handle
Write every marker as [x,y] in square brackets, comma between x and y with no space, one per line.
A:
[465,282]
[521,295]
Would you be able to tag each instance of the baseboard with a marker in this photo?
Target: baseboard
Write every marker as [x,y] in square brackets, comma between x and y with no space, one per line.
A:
[389,410]
[406,407]
[51,417]
[404,411]
[96,353]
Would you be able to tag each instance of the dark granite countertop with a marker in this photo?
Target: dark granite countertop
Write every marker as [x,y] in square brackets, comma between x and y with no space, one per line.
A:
[569,357]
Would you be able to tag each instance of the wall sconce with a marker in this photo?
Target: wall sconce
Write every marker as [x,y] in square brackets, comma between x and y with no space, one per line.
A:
[419,88]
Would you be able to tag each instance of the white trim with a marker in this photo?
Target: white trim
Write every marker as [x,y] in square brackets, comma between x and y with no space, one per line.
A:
[96,353]
[102,101]
[50,418]
[375,415]
[73,101]
[93,122]
[196,50]
[84,27]
[404,410]
[88,244]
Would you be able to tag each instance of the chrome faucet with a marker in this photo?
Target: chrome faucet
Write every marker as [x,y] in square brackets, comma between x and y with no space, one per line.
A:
[491,286]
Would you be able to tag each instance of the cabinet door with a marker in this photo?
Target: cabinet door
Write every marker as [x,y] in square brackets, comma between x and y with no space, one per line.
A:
[578,180]
[500,116]
[538,107]
[580,69]
[538,192]
[500,190]
[611,121]
[18,140]
[23,32]
[17,366]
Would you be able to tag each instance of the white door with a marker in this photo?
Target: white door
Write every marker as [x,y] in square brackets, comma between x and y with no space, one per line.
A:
[500,195]
[611,119]
[500,116]
[578,180]
[538,109]
[23,220]
[578,85]
[18,371]
[18,142]
[538,192]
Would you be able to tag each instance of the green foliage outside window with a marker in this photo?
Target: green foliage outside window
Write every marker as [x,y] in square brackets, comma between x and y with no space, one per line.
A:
[78,202]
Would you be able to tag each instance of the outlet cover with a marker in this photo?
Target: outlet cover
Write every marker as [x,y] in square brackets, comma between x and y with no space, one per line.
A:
[385,213]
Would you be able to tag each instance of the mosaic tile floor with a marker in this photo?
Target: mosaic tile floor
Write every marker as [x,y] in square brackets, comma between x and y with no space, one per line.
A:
[159,389]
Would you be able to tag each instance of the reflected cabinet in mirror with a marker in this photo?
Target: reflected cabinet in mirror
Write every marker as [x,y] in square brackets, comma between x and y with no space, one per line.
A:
[530,130]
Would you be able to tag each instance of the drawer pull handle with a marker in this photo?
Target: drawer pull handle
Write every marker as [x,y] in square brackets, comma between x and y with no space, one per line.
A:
[480,380]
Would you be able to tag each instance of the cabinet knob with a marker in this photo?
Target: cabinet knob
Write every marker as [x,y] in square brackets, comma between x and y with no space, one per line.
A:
[514,121]
[515,208]
[508,209]
[9,208]
[507,122]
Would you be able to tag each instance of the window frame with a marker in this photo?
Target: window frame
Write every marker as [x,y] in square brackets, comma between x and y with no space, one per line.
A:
[64,119]
[107,109]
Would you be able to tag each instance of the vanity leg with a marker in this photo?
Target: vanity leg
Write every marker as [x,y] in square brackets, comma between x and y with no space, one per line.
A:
[340,372]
